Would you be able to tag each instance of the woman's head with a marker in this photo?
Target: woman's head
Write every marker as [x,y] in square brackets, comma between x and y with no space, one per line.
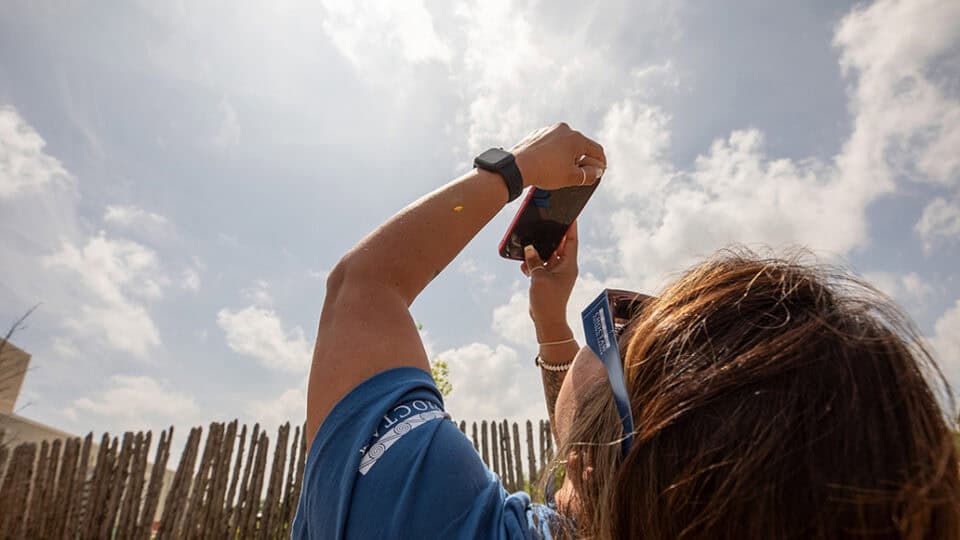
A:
[770,399]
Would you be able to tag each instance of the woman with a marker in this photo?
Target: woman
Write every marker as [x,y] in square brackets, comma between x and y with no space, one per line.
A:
[768,400]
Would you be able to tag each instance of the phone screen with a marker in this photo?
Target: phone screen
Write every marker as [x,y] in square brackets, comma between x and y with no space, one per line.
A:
[544,219]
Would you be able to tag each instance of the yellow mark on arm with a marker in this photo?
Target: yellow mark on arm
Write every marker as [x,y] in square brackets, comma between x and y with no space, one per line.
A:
[458,208]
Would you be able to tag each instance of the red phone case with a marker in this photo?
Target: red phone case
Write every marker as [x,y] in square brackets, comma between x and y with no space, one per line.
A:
[526,201]
[503,243]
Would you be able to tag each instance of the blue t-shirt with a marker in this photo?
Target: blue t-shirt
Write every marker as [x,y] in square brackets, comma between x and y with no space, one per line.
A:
[388,463]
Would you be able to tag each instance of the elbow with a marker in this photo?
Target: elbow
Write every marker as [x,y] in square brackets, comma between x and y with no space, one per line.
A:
[353,273]
[348,270]
[337,277]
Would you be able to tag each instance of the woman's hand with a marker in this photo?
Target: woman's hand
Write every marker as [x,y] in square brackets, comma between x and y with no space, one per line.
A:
[557,157]
[551,283]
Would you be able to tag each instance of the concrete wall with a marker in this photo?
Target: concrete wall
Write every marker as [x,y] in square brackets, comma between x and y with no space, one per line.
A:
[13,368]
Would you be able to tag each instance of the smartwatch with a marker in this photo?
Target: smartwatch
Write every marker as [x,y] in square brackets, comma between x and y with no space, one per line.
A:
[503,163]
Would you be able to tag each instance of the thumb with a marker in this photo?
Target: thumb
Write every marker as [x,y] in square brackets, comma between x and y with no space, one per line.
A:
[532,258]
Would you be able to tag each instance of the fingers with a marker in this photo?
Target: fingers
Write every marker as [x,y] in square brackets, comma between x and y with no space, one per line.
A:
[585,175]
[567,250]
[593,149]
[571,241]
[587,160]
[532,260]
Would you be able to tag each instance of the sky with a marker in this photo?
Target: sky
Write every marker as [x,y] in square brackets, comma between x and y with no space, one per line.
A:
[177,178]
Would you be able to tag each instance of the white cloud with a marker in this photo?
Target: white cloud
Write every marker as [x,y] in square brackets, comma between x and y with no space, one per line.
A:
[734,193]
[907,288]
[635,139]
[940,222]
[474,272]
[512,320]
[137,219]
[492,383]
[377,36]
[190,279]
[523,68]
[258,293]
[946,344]
[134,401]
[258,332]
[113,280]
[289,406]
[907,124]
[904,121]
[24,166]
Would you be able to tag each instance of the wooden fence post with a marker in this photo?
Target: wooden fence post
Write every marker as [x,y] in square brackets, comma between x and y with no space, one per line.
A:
[215,515]
[232,491]
[483,443]
[275,483]
[495,448]
[531,457]
[73,486]
[85,523]
[117,484]
[288,504]
[173,505]
[157,473]
[36,519]
[79,505]
[239,511]
[516,457]
[130,504]
[16,486]
[59,491]
[301,462]
[105,469]
[506,458]
[252,503]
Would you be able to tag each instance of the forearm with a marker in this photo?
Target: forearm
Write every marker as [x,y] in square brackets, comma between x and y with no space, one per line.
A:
[413,246]
[560,353]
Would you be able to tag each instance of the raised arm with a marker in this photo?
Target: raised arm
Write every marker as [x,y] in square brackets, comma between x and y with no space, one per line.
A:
[365,326]
[551,283]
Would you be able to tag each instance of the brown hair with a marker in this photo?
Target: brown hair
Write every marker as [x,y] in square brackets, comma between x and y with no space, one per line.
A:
[771,399]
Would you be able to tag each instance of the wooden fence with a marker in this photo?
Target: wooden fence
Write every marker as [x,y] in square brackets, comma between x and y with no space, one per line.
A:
[74,488]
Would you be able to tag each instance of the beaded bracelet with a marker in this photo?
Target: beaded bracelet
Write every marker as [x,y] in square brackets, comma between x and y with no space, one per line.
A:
[551,367]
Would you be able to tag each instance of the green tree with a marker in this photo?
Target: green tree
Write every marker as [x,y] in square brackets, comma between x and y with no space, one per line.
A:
[440,372]
[441,376]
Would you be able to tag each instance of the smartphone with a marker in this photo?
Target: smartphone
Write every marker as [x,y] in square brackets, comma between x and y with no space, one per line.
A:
[543,220]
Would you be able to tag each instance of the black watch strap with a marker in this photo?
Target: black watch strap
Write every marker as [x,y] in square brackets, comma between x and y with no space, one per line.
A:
[503,163]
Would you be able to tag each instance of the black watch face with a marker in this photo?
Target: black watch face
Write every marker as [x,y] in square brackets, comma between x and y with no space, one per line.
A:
[495,158]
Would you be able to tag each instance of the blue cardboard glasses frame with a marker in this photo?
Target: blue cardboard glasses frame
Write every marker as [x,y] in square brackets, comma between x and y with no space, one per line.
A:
[604,320]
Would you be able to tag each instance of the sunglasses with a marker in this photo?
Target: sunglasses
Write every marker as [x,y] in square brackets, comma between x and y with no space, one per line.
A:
[605,320]
[624,306]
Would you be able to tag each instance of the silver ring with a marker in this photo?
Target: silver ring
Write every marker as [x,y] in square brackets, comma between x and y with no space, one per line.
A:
[583,176]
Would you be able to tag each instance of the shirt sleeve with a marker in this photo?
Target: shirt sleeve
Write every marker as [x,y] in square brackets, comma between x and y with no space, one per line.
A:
[388,462]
